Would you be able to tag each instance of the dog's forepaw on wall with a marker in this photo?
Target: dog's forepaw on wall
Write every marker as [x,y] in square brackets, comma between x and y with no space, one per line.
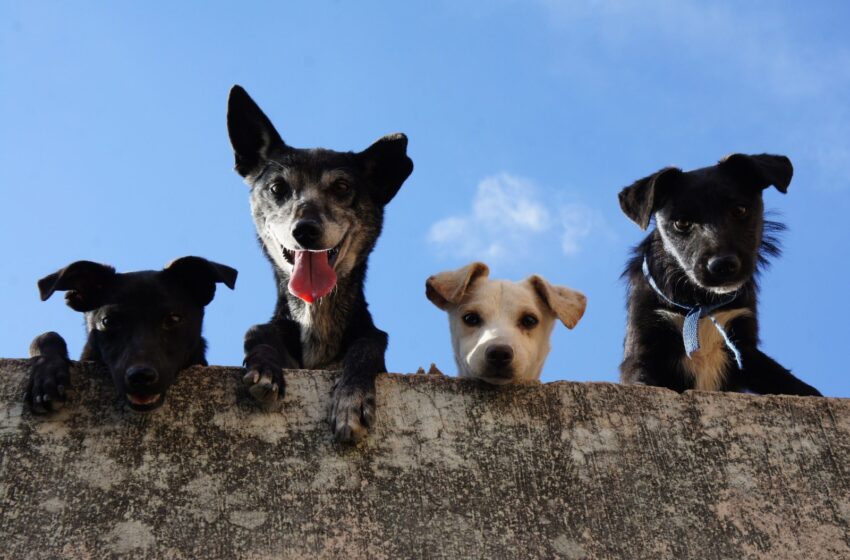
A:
[433,370]
[263,387]
[49,380]
[50,374]
[352,412]
[264,376]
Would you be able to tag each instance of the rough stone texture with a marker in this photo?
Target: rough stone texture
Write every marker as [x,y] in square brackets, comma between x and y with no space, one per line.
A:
[452,470]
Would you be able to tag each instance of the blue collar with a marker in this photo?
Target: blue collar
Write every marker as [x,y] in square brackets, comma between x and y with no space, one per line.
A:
[690,328]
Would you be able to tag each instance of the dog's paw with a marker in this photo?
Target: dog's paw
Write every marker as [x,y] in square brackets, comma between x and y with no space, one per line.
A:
[265,388]
[352,412]
[50,379]
[434,370]
[264,376]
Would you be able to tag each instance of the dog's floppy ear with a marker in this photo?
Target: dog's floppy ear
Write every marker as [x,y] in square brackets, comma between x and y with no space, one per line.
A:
[387,166]
[640,199]
[761,170]
[199,276]
[448,288]
[567,304]
[86,283]
[252,134]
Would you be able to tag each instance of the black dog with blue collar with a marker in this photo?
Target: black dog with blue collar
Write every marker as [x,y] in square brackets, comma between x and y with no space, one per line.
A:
[693,280]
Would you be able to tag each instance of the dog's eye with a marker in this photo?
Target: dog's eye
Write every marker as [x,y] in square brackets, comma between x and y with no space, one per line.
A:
[682,226]
[172,320]
[740,212]
[278,188]
[472,319]
[341,187]
[528,321]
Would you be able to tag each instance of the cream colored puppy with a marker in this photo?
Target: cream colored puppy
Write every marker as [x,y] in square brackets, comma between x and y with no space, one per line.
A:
[500,329]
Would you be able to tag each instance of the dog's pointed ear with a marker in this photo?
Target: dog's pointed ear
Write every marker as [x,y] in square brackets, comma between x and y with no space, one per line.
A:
[199,276]
[640,199]
[448,288]
[252,134]
[761,170]
[387,166]
[567,304]
[85,282]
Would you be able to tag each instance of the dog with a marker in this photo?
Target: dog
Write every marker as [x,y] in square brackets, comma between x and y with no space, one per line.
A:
[693,289]
[500,330]
[143,326]
[318,214]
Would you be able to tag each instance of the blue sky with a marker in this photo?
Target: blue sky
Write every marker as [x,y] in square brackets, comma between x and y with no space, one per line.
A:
[524,118]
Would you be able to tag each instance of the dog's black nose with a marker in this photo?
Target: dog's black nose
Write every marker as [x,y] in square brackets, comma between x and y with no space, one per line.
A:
[307,232]
[141,376]
[499,355]
[724,266]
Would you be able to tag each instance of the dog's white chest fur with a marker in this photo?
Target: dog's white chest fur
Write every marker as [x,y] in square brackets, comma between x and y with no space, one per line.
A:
[319,341]
[708,365]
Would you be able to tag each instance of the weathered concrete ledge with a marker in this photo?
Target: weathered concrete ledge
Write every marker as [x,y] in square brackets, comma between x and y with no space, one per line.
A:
[452,470]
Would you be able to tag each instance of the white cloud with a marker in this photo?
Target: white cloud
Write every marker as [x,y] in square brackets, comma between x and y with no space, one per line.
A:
[576,222]
[509,199]
[510,219]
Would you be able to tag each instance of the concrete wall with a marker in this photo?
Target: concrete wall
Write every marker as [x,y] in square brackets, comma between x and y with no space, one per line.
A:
[452,470]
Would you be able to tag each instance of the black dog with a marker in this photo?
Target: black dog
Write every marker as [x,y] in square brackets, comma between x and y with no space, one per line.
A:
[144,326]
[318,215]
[693,289]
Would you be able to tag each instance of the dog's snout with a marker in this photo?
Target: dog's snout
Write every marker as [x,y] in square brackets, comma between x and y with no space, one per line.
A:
[499,355]
[141,376]
[307,232]
[724,266]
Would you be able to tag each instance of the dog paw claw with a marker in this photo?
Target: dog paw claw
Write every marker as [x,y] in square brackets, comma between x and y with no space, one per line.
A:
[265,388]
[251,378]
[264,374]
[352,413]
[49,377]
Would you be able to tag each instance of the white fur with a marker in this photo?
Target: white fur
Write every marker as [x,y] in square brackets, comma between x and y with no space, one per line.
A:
[502,308]
[670,247]
[501,305]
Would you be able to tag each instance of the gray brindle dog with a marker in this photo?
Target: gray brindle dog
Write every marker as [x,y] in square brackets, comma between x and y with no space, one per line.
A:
[318,214]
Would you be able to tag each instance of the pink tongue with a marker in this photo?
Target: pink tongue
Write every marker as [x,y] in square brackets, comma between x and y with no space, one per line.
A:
[313,277]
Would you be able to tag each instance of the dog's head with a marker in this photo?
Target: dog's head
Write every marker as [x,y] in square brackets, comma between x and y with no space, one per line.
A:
[145,326]
[500,330]
[710,220]
[318,212]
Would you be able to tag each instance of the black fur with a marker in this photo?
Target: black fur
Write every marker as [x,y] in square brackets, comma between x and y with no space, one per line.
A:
[342,194]
[699,221]
[144,326]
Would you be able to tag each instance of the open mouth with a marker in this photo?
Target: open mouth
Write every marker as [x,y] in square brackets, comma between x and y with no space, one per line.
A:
[313,275]
[289,254]
[144,403]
